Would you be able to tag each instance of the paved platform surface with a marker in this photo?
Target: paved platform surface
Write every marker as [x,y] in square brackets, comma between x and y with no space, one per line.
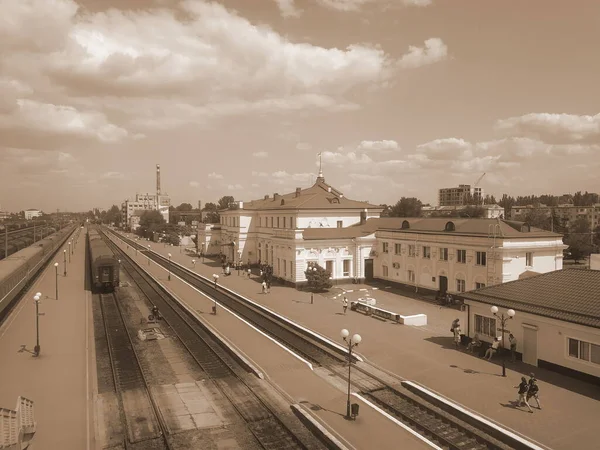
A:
[57,379]
[370,431]
[571,408]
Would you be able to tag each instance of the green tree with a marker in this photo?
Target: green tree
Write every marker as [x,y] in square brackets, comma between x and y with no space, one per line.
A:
[184,207]
[113,215]
[151,221]
[580,239]
[226,202]
[472,211]
[406,207]
[317,280]
[537,218]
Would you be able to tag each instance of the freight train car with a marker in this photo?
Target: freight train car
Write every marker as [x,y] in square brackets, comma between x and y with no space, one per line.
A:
[103,264]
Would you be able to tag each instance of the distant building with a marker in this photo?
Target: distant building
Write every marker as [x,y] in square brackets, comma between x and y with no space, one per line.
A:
[461,195]
[31,213]
[4,215]
[566,213]
[145,202]
[490,211]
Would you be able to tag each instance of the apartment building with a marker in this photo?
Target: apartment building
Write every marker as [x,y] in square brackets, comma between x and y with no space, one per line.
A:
[457,196]
[567,213]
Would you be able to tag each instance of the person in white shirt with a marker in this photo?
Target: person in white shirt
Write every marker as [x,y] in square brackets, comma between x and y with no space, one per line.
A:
[492,350]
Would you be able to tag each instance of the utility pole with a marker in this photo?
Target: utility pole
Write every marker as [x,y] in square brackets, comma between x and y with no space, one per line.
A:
[6,240]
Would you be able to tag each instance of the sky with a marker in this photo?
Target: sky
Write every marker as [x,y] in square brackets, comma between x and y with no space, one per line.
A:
[238,97]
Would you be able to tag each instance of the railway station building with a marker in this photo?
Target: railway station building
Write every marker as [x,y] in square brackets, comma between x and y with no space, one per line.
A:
[556,322]
[350,239]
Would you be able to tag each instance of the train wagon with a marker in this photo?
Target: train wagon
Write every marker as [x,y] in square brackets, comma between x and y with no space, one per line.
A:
[104,266]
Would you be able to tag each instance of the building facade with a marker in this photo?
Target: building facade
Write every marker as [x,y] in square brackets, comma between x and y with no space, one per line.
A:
[557,320]
[459,255]
[461,195]
[31,213]
[566,213]
[132,209]
[272,231]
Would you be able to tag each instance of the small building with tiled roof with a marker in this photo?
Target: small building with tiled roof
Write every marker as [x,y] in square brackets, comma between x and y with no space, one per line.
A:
[556,322]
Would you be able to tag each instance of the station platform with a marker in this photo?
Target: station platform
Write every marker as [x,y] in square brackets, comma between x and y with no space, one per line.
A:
[426,355]
[294,379]
[58,381]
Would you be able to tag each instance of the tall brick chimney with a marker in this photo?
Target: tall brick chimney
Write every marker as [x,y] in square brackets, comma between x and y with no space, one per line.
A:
[158,179]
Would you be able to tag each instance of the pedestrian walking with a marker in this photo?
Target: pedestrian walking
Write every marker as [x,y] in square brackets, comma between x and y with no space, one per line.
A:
[455,323]
[491,351]
[513,347]
[345,304]
[533,391]
[457,333]
[264,287]
[523,388]
[268,286]
[249,272]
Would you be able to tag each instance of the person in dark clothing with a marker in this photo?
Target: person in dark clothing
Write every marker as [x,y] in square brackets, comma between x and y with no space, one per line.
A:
[533,391]
[523,388]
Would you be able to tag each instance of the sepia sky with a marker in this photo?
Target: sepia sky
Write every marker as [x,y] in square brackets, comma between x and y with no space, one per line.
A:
[237,97]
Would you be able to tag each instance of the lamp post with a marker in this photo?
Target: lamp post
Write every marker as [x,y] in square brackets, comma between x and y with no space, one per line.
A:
[69,251]
[148,254]
[56,270]
[312,294]
[352,342]
[239,261]
[214,308]
[169,278]
[65,262]
[36,299]
[503,319]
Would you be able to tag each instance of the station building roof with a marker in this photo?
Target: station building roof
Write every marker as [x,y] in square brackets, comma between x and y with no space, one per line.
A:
[570,295]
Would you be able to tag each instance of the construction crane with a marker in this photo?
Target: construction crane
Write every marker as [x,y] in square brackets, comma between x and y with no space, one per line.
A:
[479,179]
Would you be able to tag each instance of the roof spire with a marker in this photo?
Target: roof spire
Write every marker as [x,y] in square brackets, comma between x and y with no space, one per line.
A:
[320,176]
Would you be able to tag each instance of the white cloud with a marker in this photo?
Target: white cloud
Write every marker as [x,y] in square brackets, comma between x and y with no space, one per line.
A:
[215,176]
[288,8]
[255,185]
[303,146]
[234,187]
[194,184]
[338,158]
[379,145]
[356,5]
[434,51]
[552,128]
[113,176]
[259,174]
[417,2]
[260,154]
[365,177]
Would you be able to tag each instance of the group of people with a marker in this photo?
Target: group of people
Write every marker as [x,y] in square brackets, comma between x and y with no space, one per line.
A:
[527,390]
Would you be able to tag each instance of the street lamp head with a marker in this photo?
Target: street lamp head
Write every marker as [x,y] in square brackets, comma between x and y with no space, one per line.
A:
[356,339]
[494,309]
[344,333]
[148,245]
[64,251]
[38,294]
[511,313]
[119,261]
[169,255]
[36,297]
[55,264]
[193,261]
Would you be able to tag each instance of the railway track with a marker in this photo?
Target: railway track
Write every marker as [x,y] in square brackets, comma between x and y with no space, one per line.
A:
[145,427]
[425,418]
[269,431]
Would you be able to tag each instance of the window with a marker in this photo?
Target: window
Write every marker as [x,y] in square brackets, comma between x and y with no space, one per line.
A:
[385,247]
[460,285]
[479,285]
[485,326]
[278,222]
[481,258]
[397,249]
[461,256]
[426,252]
[329,267]
[411,250]
[584,351]
[340,223]
[529,259]
[443,254]
[284,268]
[411,276]
[346,268]
[271,222]
[278,266]
[385,270]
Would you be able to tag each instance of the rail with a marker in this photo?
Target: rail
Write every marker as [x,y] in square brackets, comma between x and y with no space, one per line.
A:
[218,364]
[427,418]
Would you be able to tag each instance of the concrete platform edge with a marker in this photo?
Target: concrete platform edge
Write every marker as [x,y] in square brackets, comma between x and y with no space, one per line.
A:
[498,431]
[310,422]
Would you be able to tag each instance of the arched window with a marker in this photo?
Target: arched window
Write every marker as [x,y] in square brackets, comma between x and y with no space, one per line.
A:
[282,202]
[450,226]
[405,225]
